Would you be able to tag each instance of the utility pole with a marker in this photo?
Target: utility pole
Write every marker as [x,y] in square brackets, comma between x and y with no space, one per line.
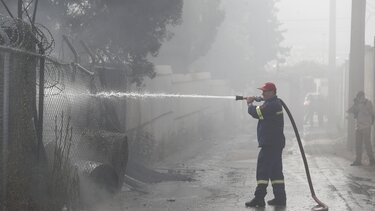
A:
[34,13]
[332,35]
[356,59]
[373,81]
[20,2]
[332,77]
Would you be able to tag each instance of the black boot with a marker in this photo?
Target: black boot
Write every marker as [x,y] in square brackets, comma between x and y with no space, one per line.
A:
[277,202]
[256,202]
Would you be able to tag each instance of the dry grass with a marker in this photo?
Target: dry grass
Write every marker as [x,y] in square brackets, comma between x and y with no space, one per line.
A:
[63,176]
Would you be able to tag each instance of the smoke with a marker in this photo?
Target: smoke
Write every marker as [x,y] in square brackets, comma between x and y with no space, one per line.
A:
[97,198]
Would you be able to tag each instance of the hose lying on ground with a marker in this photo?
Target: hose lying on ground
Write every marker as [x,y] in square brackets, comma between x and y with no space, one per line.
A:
[321,206]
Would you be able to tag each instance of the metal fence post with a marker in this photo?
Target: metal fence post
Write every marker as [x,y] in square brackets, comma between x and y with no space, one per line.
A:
[41,101]
[5,122]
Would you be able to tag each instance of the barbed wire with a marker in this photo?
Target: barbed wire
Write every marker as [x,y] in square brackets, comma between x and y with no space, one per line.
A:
[20,34]
[54,78]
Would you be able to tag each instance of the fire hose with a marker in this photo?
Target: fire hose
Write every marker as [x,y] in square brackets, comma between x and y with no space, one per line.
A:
[321,206]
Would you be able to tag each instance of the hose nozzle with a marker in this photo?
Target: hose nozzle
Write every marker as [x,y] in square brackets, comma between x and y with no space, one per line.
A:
[257,99]
[239,97]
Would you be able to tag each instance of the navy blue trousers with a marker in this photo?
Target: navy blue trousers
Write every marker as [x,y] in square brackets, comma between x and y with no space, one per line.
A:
[270,168]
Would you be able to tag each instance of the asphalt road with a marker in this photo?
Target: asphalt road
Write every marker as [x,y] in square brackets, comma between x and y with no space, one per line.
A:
[223,174]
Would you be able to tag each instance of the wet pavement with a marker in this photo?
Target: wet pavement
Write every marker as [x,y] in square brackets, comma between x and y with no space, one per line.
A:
[224,179]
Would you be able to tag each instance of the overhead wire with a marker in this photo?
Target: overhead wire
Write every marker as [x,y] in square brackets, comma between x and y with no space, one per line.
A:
[7,9]
[28,5]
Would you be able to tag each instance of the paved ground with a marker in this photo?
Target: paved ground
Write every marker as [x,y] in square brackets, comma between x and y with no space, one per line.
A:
[224,179]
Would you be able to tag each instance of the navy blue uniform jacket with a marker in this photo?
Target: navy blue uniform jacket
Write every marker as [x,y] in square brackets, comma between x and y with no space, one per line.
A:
[270,129]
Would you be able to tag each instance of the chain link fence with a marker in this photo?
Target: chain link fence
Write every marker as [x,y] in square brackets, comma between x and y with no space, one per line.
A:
[53,128]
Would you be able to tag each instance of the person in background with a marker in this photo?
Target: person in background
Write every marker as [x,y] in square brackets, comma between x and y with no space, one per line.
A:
[363,112]
[271,140]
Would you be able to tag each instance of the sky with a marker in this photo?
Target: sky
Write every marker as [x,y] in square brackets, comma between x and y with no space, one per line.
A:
[306,25]
[307,28]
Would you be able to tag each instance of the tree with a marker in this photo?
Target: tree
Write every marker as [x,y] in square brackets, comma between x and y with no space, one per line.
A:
[124,31]
[264,33]
[249,38]
[195,36]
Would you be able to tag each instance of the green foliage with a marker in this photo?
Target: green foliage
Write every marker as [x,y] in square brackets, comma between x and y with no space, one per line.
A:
[128,31]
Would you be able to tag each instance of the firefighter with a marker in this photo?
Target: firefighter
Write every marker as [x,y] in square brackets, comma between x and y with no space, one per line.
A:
[271,140]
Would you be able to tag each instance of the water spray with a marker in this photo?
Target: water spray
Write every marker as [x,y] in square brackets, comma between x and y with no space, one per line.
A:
[321,206]
[136,95]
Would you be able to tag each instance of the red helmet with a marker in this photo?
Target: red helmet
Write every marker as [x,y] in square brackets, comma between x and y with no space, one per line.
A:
[269,86]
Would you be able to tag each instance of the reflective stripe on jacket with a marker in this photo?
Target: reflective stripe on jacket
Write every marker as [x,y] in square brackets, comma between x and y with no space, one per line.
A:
[270,129]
